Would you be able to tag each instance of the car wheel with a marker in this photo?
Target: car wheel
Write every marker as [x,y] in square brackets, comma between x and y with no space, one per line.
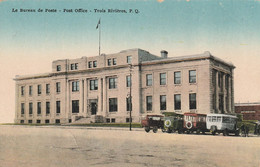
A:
[147,129]
[155,129]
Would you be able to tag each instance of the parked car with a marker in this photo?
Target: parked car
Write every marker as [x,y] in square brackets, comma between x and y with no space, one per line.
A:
[222,123]
[153,122]
[194,122]
[173,123]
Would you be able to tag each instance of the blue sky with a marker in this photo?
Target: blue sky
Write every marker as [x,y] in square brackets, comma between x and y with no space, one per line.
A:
[29,42]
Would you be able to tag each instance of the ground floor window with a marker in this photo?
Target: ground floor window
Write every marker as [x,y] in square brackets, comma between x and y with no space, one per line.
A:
[112,104]
[149,103]
[47,121]
[69,120]
[75,106]
[22,121]
[113,120]
[128,120]
[163,102]
[57,121]
[193,101]
[108,120]
[38,121]
[177,102]
[29,121]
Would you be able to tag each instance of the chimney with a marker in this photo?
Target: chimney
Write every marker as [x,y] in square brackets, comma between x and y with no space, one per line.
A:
[164,54]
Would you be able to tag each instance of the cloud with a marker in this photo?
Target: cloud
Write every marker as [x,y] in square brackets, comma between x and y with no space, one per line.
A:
[160,1]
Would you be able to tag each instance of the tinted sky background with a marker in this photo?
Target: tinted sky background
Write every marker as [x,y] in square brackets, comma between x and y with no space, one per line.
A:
[29,42]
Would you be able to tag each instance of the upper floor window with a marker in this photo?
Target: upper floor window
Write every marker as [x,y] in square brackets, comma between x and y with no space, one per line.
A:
[94,64]
[177,77]
[94,84]
[75,86]
[128,81]
[162,78]
[112,104]
[22,90]
[39,89]
[149,80]
[109,62]
[76,66]
[30,90]
[75,106]
[114,61]
[193,101]
[90,64]
[47,88]
[192,76]
[177,102]
[57,87]
[112,83]
[72,66]
[129,59]
[58,67]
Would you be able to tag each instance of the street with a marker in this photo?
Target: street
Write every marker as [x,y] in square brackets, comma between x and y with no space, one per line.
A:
[58,146]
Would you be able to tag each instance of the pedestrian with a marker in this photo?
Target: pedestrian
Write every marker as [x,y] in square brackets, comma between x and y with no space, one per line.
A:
[246,131]
[242,130]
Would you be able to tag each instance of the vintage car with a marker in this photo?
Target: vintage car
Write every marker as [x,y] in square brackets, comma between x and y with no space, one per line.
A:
[173,122]
[222,123]
[153,122]
[194,122]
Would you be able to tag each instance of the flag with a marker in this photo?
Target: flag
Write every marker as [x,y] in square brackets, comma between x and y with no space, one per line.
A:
[98,24]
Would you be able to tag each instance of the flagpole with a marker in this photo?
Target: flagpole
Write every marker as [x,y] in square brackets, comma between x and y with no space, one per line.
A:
[99,34]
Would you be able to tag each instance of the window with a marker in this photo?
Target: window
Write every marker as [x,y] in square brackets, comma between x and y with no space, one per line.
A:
[192,76]
[94,84]
[177,102]
[114,61]
[58,67]
[75,86]
[109,62]
[75,106]
[112,104]
[22,121]
[57,121]
[112,83]
[128,81]
[30,90]
[30,108]
[129,59]
[47,107]
[47,88]
[128,104]
[39,89]
[47,121]
[108,120]
[192,100]
[94,63]
[90,64]
[177,77]
[149,103]
[38,121]
[39,108]
[58,87]
[72,66]
[113,120]
[162,78]
[162,102]
[76,66]
[57,107]
[22,108]
[22,90]
[149,80]
[29,121]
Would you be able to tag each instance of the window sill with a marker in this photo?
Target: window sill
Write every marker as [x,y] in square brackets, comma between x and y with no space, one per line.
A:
[193,110]
[193,83]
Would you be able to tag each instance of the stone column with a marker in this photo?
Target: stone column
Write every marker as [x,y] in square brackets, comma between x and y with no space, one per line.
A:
[85,97]
[224,93]
[81,101]
[217,93]
[105,96]
[68,101]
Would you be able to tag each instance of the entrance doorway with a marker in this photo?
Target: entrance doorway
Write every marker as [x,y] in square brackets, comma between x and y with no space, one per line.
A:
[93,106]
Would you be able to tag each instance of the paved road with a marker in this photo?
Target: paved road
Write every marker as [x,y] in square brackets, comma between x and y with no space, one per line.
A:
[23,146]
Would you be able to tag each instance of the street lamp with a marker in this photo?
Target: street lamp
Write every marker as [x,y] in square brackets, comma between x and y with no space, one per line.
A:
[130,96]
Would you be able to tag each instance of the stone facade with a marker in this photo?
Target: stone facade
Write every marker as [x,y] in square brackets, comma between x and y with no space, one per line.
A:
[99,87]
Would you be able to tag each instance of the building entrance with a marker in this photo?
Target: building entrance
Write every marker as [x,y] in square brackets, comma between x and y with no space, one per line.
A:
[93,105]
